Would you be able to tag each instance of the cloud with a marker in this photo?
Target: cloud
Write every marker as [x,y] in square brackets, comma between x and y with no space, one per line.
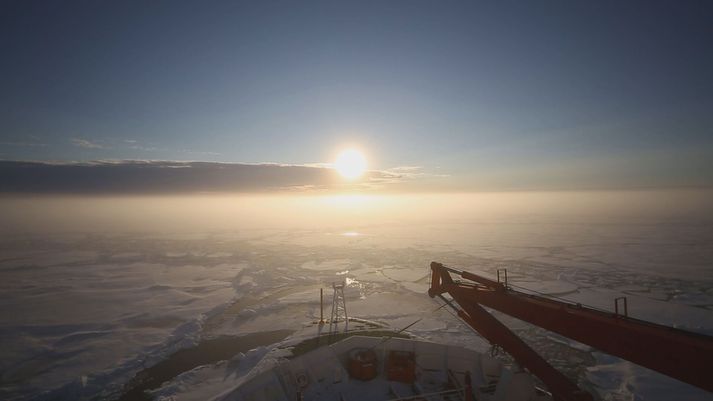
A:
[156,177]
[134,144]
[400,175]
[194,152]
[87,144]
[25,144]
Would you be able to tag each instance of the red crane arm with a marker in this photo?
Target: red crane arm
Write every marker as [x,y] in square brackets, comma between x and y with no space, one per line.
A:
[676,353]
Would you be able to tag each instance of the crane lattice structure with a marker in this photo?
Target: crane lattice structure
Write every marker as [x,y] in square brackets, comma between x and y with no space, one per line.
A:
[339,309]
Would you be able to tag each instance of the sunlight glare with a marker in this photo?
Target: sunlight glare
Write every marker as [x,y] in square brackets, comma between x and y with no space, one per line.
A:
[350,164]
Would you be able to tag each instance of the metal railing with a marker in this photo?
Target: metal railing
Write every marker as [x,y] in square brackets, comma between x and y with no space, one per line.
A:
[438,395]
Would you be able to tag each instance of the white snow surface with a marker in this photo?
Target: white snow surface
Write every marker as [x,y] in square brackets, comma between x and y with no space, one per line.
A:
[81,314]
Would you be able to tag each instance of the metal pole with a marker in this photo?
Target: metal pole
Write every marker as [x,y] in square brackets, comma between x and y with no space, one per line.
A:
[321,306]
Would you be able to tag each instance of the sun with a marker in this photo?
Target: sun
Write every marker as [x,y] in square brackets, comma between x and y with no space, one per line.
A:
[350,163]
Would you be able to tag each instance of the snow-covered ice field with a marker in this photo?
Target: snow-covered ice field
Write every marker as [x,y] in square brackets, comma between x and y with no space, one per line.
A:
[81,313]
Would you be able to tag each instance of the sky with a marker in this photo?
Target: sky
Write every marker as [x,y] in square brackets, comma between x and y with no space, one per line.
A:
[440,96]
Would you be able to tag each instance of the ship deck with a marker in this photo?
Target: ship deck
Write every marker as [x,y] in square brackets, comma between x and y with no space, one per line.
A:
[439,374]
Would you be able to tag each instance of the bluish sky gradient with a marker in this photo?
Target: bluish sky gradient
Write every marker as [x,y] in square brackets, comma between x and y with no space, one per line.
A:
[492,95]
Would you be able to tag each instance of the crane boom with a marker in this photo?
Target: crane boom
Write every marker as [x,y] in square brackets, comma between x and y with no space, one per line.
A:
[680,354]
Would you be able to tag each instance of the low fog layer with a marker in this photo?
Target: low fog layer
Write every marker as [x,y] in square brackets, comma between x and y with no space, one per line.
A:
[239,212]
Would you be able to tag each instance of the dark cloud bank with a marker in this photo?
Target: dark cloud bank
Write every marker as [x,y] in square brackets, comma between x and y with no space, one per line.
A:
[145,177]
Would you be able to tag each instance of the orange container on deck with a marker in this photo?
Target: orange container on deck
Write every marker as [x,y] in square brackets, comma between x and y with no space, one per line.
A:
[401,367]
[362,364]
